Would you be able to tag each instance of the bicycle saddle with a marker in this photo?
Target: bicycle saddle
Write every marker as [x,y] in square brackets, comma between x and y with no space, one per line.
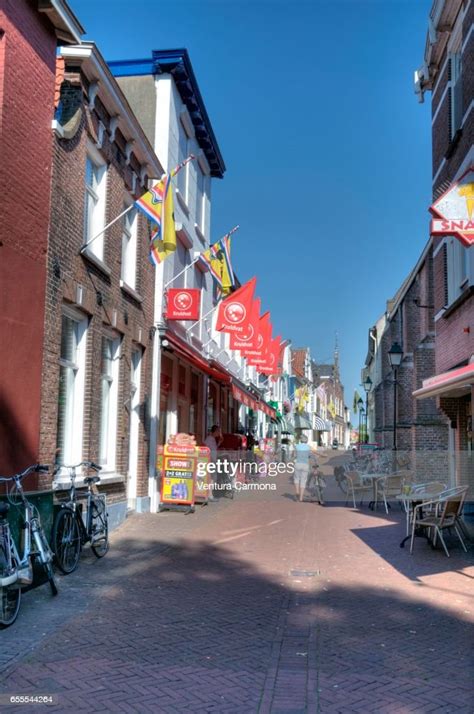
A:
[91,479]
[4,508]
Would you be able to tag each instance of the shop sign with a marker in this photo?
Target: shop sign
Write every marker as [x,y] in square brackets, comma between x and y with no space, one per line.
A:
[183,304]
[453,212]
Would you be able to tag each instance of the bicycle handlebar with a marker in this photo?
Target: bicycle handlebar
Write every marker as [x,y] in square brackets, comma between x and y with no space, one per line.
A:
[39,468]
[87,464]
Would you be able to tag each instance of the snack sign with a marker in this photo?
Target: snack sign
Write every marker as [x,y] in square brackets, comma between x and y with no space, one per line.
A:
[453,212]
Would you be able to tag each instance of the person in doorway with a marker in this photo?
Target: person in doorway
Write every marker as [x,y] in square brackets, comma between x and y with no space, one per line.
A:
[302,454]
[213,441]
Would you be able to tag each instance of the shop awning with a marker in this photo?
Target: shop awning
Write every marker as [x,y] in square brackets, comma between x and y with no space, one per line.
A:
[302,422]
[247,399]
[286,426]
[454,383]
[320,424]
[192,356]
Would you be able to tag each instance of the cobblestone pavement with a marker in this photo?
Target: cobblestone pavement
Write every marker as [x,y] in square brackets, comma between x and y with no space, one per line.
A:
[257,604]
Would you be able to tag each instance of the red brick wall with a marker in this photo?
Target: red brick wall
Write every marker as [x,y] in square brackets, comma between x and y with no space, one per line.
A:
[27,64]
[440,134]
[455,337]
[67,270]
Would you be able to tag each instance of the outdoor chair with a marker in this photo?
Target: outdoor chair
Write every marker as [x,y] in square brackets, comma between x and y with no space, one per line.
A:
[391,485]
[357,486]
[446,513]
[429,490]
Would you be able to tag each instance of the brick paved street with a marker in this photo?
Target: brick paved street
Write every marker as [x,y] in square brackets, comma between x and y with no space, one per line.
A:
[260,604]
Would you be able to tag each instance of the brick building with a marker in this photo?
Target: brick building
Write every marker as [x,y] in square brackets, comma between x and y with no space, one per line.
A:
[448,73]
[99,295]
[29,33]
[409,322]
[327,377]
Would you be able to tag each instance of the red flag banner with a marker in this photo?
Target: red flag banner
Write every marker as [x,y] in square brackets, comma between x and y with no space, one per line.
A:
[269,364]
[235,312]
[249,338]
[264,338]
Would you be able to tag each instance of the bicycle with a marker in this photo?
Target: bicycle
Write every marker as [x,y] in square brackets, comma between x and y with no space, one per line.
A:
[16,570]
[315,485]
[70,533]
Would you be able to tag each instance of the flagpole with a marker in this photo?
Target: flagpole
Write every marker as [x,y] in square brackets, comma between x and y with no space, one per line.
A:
[129,208]
[202,318]
[180,273]
[235,228]
[132,205]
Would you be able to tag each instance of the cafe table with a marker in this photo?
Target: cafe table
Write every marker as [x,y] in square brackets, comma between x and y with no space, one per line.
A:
[373,478]
[410,500]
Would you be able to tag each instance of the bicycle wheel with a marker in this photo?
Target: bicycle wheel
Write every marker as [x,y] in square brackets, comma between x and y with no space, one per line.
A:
[99,529]
[10,595]
[45,556]
[66,540]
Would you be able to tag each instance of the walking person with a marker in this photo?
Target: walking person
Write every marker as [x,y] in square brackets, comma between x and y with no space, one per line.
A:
[302,454]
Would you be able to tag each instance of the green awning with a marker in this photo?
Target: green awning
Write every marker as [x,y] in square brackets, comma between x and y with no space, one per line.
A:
[301,422]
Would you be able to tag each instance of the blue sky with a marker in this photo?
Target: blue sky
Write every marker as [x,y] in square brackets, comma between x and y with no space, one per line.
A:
[328,152]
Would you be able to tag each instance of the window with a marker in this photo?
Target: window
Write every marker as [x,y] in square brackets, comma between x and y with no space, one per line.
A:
[182,176]
[460,268]
[129,247]
[200,198]
[109,401]
[94,211]
[456,92]
[181,260]
[71,389]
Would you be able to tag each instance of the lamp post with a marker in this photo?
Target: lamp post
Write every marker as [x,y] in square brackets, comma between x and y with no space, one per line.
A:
[367,386]
[360,404]
[395,356]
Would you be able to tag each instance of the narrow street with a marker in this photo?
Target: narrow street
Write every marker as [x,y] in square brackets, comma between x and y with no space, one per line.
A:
[257,604]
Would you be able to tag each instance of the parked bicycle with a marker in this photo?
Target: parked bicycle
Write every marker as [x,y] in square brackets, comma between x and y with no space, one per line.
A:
[15,569]
[70,531]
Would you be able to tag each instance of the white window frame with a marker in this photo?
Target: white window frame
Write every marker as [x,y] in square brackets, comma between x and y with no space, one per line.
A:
[92,228]
[129,246]
[109,463]
[135,400]
[460,260]
[200,199]
[183,174]
[74,430]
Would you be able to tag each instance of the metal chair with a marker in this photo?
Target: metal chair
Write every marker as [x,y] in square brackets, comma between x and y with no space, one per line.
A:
[356,485]
[447,511]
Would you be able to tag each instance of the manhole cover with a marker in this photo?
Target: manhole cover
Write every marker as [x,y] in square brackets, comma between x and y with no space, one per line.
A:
[304,573]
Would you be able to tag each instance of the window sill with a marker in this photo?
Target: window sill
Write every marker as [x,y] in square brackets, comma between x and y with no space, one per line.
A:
[64,483]
[88,255]
[131,291]
[182,202]
[467,292]
[199,233]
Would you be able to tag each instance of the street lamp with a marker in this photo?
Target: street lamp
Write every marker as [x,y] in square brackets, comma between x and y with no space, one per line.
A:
[360,405]
[395,356]
[367,386]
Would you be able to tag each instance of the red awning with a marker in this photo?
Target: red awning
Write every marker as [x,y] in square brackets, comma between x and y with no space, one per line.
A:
[454,383]
[190,354]
[244,397]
